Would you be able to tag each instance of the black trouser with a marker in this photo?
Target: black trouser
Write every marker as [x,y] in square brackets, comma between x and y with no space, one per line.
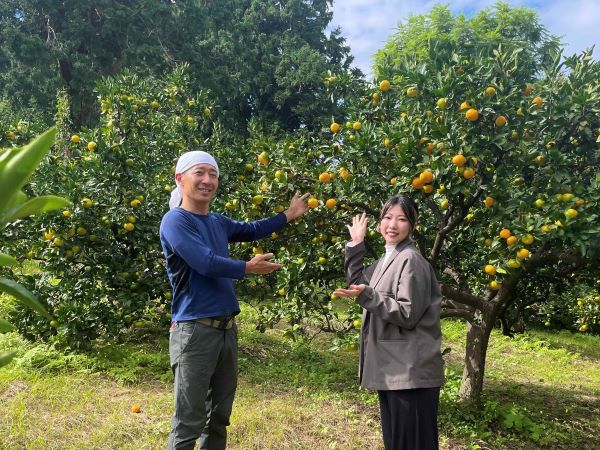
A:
[409,418]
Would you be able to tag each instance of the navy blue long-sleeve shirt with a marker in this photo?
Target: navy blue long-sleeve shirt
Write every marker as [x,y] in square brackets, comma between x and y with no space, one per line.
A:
[198,264]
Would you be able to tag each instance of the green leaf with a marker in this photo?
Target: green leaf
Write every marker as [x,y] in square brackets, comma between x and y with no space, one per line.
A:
[6,357]
[7,260]
[23,295]
[34,206]
[17,165]
[5,326]
[18,198]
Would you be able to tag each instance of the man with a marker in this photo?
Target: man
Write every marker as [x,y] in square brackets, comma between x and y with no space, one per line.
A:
[203,335]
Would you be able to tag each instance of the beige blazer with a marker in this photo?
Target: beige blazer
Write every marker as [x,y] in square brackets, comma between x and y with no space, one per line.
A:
[400,333]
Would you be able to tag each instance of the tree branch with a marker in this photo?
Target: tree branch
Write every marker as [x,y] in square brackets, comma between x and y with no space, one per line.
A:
[462,297]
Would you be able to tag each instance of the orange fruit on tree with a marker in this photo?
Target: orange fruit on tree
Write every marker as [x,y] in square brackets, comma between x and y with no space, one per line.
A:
[527,239]
[527,89]
[263,158]
[356,126]
[344,174]
[428,189]
[514,263]
[464,105]
[511,240]
[128,226]
[472,115]
[412,91]
[571,213]
[393,181]
[505,233]
[489,269]
[312,202]
[441,103]
[324,177]
[489,202]
[488,242]
[444,204]
[523,253]
[387,142]
[537,102]
[330,203]
[490,91]
[468,173]
[426,176]
[500,121]
[335,127]
[459,160]
[75,138]
[384,86]
[494,285]
[417,183]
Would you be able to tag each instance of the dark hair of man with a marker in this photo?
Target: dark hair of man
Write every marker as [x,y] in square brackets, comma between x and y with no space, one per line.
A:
[411,211]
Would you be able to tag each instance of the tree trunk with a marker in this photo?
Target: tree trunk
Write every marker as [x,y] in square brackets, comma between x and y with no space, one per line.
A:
[477,342]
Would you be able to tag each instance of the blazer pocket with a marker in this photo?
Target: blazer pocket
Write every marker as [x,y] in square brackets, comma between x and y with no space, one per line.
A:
[392,333]
[395,358]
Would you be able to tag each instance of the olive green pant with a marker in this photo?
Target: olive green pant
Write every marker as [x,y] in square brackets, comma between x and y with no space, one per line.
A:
[204,362]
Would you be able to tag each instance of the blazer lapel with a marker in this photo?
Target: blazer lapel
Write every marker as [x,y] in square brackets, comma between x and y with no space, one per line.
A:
[382,267]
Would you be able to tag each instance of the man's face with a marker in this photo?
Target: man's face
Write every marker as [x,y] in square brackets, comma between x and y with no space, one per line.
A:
[199,183]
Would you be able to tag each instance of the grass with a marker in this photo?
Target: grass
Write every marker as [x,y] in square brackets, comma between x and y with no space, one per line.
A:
[542,391]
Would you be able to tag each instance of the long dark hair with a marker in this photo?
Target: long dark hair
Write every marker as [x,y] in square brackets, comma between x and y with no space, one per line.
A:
[411,211]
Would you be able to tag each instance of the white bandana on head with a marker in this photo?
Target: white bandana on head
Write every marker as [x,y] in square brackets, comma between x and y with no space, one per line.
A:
[185,162]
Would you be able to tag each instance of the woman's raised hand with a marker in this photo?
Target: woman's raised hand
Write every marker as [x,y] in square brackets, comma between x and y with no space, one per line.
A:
[358,229]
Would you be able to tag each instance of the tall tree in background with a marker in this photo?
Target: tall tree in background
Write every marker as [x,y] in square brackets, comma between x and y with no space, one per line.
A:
[259,58]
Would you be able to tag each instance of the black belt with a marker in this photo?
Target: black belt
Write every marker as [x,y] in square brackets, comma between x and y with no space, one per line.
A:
[221,324]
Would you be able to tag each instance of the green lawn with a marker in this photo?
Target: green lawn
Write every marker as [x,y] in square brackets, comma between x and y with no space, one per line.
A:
[542,391]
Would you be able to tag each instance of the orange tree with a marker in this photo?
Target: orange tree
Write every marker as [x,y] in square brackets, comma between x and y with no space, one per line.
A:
[497,142]
[100,266]
[498,147]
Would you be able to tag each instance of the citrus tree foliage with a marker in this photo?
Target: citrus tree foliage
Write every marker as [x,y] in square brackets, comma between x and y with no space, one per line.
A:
[500,152]
[16,166]
[101,266]
[259,58]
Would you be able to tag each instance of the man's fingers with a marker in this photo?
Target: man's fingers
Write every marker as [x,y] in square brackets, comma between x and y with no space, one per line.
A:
[264,256]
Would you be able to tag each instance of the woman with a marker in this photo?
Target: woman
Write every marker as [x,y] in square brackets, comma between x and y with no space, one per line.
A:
[400,334]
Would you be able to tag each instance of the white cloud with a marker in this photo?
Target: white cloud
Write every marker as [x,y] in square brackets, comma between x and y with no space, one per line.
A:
[367,24]
[575,21]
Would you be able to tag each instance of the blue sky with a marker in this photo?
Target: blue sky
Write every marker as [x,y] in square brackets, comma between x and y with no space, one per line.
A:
[366,24]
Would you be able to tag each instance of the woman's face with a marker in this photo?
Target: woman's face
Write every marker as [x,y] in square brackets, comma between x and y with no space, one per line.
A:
[394,226]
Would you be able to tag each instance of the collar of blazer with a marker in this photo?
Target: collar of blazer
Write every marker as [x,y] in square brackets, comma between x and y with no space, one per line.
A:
[381,267]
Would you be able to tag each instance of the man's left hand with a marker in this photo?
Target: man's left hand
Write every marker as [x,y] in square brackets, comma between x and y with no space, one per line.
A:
[298,206]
